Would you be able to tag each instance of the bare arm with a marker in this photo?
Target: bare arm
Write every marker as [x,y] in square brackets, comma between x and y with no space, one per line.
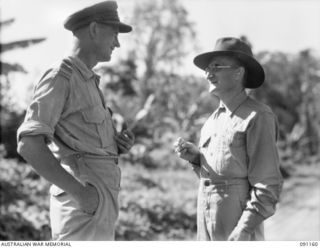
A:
[35,151]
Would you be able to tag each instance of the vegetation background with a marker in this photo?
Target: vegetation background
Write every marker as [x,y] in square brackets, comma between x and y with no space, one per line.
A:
[158,197]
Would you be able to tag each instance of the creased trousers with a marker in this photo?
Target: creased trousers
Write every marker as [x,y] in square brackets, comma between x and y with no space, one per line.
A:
[68,222]
[220,206]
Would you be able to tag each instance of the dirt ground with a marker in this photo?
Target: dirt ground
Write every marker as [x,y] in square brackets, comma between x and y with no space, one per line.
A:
[298,213]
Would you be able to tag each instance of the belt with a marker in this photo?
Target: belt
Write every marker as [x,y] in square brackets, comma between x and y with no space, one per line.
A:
[91,156]
[219,181]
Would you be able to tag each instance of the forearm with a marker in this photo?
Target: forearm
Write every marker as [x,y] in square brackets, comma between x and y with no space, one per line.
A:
[34,150]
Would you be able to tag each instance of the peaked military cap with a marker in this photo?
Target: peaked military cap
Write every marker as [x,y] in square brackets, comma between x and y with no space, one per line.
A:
[104,12]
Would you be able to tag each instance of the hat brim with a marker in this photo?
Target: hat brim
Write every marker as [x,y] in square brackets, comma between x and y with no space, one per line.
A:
[123,28]
[255,71]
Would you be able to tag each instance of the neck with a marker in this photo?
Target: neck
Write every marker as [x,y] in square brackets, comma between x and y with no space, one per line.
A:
[79,50]
[226,99]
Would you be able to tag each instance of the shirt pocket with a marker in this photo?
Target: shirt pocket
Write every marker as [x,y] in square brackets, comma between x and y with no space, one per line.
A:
[233,153]
[97,118]
[94,115]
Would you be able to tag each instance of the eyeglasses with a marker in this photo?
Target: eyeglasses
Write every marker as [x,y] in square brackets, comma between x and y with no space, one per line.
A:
[216,68]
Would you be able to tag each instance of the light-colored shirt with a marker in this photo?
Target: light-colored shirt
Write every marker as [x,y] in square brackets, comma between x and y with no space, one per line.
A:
[238,141]
[68,108]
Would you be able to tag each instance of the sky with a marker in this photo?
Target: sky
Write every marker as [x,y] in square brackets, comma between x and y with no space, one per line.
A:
[273,25]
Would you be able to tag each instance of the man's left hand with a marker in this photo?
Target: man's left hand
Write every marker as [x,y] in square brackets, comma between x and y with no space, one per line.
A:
[125,141]
[239,235]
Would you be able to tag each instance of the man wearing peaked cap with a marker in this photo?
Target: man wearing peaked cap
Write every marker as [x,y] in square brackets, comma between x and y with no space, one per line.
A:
[104,12]
[68,135]
[237,159]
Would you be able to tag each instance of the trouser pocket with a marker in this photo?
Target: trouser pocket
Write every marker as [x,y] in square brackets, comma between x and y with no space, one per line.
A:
[65,213]
[108,189]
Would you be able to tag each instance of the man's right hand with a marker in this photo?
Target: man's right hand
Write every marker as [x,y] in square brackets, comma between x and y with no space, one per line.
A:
[88,199]
[186,150]
[36,152]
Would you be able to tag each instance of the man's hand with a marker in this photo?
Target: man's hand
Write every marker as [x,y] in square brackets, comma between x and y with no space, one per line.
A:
[186,150]
[125,141]
[88,199]
[239,235]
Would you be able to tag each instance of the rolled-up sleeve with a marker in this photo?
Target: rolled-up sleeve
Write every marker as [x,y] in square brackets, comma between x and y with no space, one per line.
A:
[263,171]
[46,107]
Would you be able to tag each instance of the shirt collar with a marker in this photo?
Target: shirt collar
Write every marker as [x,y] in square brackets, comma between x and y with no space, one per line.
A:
[234,103]
[85,72]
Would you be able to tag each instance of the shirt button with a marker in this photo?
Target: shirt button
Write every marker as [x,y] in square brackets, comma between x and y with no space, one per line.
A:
[206,183]
[78,156]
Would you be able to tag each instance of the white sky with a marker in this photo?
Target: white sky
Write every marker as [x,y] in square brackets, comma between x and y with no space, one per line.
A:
[282,25]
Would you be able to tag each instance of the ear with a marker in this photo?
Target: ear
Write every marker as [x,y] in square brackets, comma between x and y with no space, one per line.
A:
[240,73]
[93,30]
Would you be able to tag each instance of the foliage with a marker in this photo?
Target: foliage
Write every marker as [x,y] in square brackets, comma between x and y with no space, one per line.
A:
[149,206]
[6,68]
[158,194]
[292,89]
[162,39]
[10,119]
[149,209]
[163,36]
[24,203]
[22,192]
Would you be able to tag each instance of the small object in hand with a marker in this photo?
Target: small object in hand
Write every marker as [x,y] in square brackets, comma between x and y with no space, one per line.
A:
[125,134]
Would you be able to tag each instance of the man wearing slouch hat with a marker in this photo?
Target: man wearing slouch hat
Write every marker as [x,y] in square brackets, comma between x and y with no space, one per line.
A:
[237,158]
[68,135]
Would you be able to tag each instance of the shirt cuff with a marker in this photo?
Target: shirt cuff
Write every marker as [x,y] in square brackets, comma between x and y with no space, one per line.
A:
[31,128]
[249,221]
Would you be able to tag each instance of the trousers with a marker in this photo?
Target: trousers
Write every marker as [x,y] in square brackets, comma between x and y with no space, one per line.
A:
[68,221]
[220,206]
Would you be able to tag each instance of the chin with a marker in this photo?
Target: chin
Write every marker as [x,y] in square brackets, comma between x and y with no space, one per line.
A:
[105,59]
[214,91]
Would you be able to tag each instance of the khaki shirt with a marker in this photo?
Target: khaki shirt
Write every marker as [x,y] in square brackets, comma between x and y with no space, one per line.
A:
[69,109]
[239,142]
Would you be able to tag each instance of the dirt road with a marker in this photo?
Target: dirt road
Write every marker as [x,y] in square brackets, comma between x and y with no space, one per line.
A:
[298,213]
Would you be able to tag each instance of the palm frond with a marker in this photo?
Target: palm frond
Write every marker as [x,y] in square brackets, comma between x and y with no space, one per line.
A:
[6,68]
[20,44]
[6,22]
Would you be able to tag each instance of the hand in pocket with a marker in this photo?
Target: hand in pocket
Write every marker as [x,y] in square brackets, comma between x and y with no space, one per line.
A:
[89,199]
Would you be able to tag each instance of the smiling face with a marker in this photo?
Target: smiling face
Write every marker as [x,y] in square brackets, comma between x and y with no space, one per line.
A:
[105,41]
[225,76]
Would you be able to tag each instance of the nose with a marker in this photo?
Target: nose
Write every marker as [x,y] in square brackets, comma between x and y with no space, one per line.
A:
[209,74]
